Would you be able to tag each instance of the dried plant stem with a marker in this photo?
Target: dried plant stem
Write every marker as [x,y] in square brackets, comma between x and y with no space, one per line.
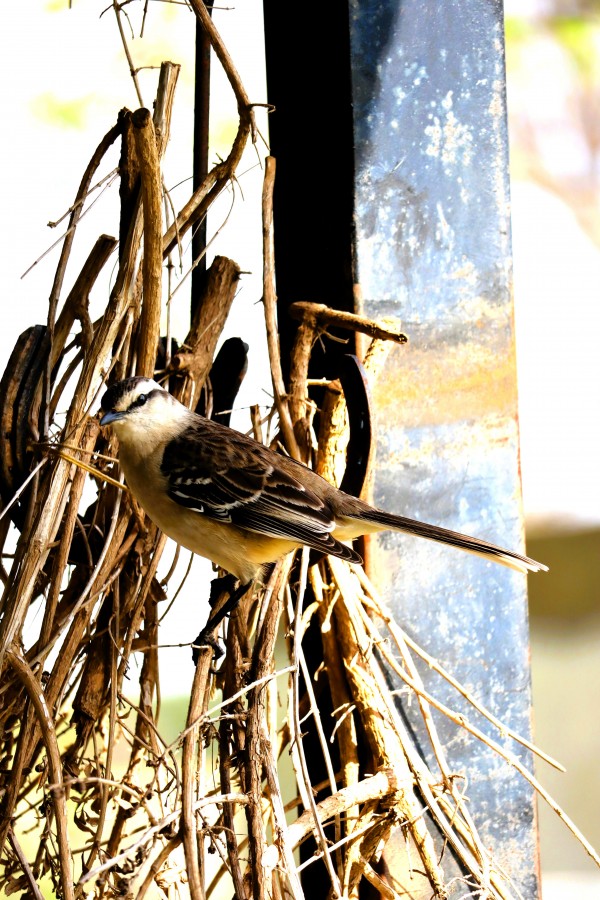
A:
[23,862]
[497,748]
[293,886]
[402,638]
[196,709]
[147,154]
[222,54]
[57,792]
[157,828]
[75,305]
[333,435]
[229,814]
[314,319]
[156,865]
[362,675]
[383,784]
[196,356]
[259,747]
[253,788]
[321,316]
[21,585]
[299,402]
[342,705]
[449,781]
[378,883]
[296,736]
[221,174]
[97,579]
[29,729]
[117,7]
[89,439]
[85,467]
[270,306]
[163,105]
[362,626]
[77,209]
[216,180]
[155,544]
[44,529]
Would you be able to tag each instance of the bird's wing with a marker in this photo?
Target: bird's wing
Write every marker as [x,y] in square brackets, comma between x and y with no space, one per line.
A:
[232,479]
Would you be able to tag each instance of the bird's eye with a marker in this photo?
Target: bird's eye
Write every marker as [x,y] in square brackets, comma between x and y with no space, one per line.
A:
[141,400]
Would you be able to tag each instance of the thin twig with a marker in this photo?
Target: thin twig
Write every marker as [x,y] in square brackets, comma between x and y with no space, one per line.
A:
[325,315]
[132,69]
[270,306]
[196,710]
[400,636]
[159,827]
[221,174]
[297,744]
[383,784]
[31,882]
[57,791]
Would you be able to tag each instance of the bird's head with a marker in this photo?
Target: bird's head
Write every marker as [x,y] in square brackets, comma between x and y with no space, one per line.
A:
[140,410]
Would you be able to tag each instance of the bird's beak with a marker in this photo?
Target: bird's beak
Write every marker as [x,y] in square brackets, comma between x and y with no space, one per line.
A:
[112,416]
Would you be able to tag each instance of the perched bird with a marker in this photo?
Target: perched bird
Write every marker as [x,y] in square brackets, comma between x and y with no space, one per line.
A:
[224,496]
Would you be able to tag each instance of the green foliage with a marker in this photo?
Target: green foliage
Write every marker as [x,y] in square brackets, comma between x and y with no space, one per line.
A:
[518,30]
[580,37]
[62,113]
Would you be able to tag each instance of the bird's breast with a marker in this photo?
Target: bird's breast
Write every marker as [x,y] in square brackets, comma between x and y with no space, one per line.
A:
[237,550]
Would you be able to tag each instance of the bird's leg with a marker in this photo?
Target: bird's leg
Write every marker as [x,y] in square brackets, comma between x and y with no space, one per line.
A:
[220,585]
[208,637]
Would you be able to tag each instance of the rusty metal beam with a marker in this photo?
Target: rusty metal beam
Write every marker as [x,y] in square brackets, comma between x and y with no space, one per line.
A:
[433,247]
[414,91]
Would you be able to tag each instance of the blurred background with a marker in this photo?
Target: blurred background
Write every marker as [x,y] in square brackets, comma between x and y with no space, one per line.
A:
[553,83]
[65,79]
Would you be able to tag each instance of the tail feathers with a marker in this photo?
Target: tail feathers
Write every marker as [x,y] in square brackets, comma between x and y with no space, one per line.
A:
[381,520]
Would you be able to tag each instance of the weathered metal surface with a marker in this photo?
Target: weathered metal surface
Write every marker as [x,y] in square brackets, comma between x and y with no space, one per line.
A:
[433,247]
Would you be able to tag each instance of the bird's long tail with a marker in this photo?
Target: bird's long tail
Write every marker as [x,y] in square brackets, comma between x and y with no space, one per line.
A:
[382,520]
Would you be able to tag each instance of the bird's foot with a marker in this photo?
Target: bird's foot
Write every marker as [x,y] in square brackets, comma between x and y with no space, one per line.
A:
[223,584]
[208,635]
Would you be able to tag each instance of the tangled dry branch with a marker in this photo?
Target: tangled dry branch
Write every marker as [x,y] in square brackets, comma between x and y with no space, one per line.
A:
[116,810]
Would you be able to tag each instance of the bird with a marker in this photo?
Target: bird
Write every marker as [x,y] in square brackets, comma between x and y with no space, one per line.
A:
[231,499]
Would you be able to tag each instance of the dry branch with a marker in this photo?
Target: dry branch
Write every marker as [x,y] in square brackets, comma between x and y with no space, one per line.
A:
[147,155]
[270,305]
[319,315]
[57,791]
[197,708]
[220,175]
[196,356]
